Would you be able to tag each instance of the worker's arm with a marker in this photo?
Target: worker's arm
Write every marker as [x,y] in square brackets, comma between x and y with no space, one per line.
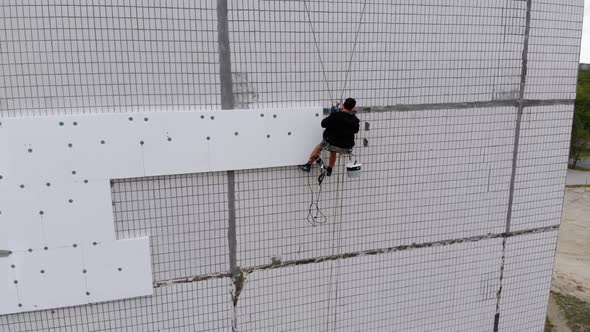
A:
[327,121]
[356,127]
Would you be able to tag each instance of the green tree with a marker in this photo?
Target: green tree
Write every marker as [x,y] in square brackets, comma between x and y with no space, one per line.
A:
[580,140]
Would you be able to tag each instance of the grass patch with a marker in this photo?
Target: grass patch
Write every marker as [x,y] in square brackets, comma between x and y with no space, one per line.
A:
[577,186]
[548,326]
[576,311]
[585,169]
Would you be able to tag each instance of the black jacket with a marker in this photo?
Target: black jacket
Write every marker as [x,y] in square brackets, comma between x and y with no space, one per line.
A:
[340,129]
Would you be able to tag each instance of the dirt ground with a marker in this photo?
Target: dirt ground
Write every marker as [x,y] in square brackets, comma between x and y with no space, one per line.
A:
[571,275]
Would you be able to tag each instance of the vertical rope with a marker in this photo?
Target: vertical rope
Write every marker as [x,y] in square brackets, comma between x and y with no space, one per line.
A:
[336,246]
[317,48]
[358,29]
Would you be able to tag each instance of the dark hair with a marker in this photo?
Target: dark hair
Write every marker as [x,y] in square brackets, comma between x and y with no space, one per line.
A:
[349,104]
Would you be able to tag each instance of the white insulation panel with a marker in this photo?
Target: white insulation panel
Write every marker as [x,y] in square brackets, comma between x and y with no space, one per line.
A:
[49,212]
[75,275]
[110,274]
[107,146]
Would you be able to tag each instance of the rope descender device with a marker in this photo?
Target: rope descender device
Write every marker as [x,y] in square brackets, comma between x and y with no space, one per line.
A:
[322,171]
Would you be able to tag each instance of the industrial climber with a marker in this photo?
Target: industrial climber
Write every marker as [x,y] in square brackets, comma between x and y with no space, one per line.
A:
[338,136]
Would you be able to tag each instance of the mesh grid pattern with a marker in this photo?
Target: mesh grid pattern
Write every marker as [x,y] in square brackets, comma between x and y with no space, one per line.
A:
[542,167]
[170,309]
[406,53]
[89,56]
[185,217]
[554,49]
[416,187]
[390,292]
[527,275]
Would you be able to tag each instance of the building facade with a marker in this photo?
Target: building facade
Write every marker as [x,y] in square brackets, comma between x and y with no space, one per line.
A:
[465,110]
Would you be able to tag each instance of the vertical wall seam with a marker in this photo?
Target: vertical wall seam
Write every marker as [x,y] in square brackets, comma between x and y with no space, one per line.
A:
[225,74]
[228,102]
[520,109]
[231,229]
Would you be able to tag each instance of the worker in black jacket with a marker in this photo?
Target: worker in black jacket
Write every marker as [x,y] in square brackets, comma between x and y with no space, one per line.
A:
[338,136]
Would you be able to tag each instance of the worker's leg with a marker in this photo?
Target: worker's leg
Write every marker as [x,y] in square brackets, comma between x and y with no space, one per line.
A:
[315,154]
[332,159]
[331,163]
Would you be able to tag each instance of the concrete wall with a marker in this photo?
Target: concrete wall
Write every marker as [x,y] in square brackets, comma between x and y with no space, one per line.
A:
[452,226]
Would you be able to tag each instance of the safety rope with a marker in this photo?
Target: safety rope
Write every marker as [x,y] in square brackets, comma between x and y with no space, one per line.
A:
[314,212]
[358,29]
[317,48]
[315,216]
[336,249]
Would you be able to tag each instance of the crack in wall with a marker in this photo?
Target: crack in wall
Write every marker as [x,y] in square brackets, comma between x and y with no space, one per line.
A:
[239,278]
[188,280]
[518,103]
[239,282]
